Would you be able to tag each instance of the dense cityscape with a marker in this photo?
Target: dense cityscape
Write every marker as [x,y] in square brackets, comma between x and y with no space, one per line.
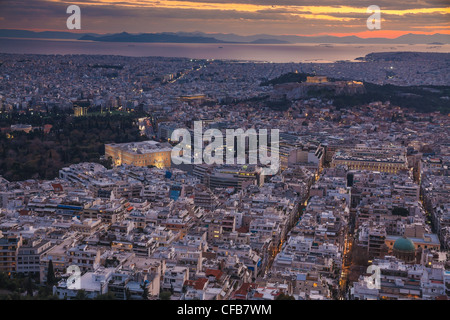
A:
[92,207]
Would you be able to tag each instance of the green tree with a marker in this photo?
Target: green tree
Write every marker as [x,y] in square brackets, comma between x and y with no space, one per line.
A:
[51,280]
[81,295]
[165,295]
[283,296]
[106,296]
[144,287]
[29,287]
[398,211]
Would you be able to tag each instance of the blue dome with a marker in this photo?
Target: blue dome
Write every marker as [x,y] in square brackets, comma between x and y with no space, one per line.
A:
[404,245]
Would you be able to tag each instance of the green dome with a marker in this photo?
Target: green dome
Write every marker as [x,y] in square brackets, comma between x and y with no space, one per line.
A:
[404,244]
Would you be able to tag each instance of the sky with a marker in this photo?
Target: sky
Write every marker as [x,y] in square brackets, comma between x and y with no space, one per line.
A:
[243,17]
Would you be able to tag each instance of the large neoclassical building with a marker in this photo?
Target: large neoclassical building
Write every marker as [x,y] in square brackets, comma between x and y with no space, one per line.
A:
[145,153]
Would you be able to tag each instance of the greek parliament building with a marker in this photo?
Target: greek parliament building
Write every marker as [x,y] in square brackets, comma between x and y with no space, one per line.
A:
[145,153]
[362,157]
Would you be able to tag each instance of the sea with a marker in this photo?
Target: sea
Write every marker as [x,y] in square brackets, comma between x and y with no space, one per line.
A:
[277,53]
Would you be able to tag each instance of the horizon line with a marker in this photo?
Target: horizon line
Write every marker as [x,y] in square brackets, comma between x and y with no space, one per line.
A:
[373,34]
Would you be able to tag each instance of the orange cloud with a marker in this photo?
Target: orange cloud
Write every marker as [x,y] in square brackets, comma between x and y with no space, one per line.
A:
[390,34]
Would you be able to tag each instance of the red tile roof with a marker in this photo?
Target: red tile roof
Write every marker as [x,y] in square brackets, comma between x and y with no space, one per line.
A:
[242,292]
[198,284]
[242,230]
[214,272]
[57,187]
[24,212]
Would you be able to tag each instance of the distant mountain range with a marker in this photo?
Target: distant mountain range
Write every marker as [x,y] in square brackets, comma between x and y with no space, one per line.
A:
[405,39]
[9,33]
[150,37]
[200,37]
